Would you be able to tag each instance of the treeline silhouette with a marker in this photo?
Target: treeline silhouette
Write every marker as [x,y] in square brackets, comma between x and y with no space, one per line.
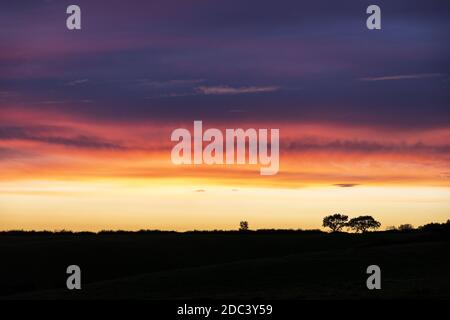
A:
[145,231]
[336,223]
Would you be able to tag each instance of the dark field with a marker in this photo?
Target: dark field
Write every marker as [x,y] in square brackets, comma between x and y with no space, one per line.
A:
[272,265]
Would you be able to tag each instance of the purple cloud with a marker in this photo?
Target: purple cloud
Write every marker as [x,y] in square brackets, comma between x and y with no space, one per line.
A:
[220,90]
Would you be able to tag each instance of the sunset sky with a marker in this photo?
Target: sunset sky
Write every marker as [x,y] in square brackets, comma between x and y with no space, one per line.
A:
[86,116]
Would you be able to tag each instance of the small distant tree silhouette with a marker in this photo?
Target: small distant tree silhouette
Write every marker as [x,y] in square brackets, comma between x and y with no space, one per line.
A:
[405,227]
[243,226]
[335,222]
[363,223]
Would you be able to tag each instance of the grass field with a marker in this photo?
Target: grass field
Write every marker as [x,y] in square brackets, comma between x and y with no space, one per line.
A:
[275,265]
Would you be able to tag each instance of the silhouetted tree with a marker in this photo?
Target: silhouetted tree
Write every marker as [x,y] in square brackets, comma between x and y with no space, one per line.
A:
[405,227]
[436,227]
[363,223]
[243,226]
[335,222]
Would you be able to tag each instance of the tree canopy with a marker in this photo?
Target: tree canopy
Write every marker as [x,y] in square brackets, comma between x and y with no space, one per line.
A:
[363,223]
[335,222]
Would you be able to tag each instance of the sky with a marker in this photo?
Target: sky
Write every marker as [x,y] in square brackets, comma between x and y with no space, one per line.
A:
[86,115]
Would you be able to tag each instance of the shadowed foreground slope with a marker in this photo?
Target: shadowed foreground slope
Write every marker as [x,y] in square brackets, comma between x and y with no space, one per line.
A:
[296,265]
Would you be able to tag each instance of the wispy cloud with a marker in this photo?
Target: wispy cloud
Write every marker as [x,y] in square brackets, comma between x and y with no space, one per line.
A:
[237,111]
[346,185]
[54,102]
[445,175]
[62,102]
[7,94]
[168,83]
[304,145]
[46,135]
[12,153]
[402,77]
[222,90]
[77,82]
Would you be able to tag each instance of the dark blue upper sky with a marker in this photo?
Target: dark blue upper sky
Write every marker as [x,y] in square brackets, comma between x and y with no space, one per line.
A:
[265,60]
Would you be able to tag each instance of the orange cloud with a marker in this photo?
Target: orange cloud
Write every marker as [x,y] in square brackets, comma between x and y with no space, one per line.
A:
[51,145]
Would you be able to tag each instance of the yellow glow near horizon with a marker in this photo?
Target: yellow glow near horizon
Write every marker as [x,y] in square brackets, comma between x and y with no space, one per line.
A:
[178,204]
